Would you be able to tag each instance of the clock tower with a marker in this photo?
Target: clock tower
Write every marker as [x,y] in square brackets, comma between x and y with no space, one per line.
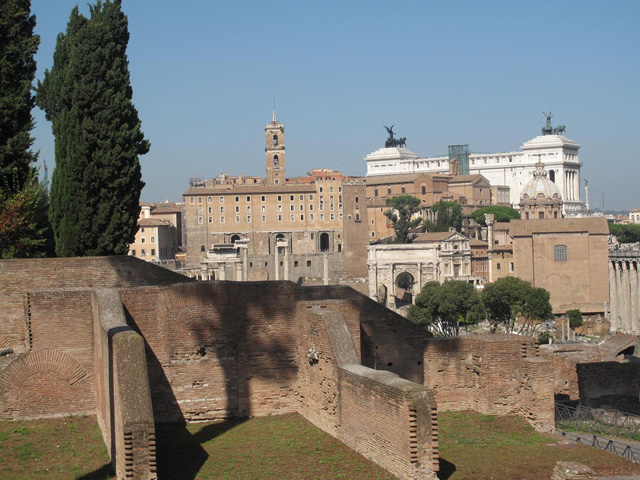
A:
[274,133]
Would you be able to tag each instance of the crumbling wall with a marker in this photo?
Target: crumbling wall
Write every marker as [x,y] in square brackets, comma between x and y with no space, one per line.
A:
[608,383]
[124,407]
[565,357]
[493,374]
[389,420]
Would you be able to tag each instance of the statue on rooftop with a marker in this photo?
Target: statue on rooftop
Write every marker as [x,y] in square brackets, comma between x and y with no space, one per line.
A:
[394,142]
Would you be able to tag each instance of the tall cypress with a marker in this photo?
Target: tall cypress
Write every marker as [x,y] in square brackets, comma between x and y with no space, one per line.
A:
[87,96]
[18,45]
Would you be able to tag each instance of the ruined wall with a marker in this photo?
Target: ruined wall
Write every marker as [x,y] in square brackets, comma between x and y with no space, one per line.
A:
[564,358]
[52,374]
[29,275]
[492,374]
[603,381]
[391,421]
[123,408]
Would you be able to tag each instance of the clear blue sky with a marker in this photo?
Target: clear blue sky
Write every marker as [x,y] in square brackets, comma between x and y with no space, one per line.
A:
[204,74]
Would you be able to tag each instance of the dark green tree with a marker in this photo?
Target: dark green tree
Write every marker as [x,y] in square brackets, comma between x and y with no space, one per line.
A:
[505,300]
[537,308]
[501,214]
[403,209]
[87,96]
[442,308]
[575,318]
[449,214]
[625,233]
[18,45]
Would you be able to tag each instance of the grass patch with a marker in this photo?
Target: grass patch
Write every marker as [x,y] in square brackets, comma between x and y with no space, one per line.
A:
[481,447]
[56,448]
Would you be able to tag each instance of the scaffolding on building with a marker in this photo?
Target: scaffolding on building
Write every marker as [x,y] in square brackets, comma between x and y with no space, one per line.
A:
[460,153]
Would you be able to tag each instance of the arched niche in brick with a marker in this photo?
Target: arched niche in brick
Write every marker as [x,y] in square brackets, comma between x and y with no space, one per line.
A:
[45,383]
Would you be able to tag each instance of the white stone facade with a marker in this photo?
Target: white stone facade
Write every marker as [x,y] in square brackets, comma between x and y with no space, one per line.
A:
[558,154]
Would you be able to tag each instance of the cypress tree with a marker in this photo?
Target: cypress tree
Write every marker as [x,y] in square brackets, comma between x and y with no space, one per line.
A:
[87,96]
[18,45]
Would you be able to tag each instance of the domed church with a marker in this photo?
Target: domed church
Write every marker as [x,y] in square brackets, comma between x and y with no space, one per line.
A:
[540,198]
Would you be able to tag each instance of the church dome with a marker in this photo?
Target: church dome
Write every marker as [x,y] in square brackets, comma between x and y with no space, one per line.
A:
[540,184]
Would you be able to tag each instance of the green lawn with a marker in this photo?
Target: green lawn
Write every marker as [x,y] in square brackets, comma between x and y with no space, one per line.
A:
[472,446]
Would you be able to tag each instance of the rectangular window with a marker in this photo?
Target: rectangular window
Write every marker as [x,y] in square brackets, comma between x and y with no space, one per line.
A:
[301,207]
[330,189]
[264,218]
[248,198]
[311,196]
[295,263]
[302,217]
[279,198]
[144,253]
[333,216]
[200,210]
[221,218]
[248,218]
[279,218]
[210,219]
[237,209]
[375,192]
[263,198]
[248,208]
[292,207]
[199,219]
[339,216]
[199,199]
[498,266]
[237,218]
[279,208]
[356,199]
[560,253]
[311,235]
[221,209]
[191,200]
[291,197]
[511,267]
[311,207]
[322,216]
[221,199]
[308,263]
[209,199]
[311,218]
[133,252]
[153,251]
[301,198]
[263,208]
[153,239]
[237,199]
[293,218]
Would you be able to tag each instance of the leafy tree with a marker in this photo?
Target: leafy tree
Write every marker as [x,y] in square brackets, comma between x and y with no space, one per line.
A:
[87,96]
[442,308]
[575,318]
[23,214]
[501,214]
[537,308]
[18,45]
[449,214]
[403,209]
[505,300]
[544,338]
[625,233]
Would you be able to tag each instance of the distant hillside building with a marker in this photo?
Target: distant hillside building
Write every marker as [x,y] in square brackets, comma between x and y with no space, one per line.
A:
[280,228]
[158,237]
[515,169]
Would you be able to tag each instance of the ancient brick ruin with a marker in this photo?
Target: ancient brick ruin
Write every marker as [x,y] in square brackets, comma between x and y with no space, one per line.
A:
[137,344]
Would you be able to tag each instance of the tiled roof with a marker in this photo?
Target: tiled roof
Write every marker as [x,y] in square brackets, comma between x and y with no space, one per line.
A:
[595,225]
[391,179]
[251,189]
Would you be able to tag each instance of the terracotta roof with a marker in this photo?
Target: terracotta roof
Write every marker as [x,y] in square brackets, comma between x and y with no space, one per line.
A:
[474,242]
[595,225]
[166,208]
[430,237]
[153,222]
[398,178]
[502,226]
[468,178]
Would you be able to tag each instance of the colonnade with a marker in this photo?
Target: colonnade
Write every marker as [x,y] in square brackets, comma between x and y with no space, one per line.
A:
[571,185]
[624,288]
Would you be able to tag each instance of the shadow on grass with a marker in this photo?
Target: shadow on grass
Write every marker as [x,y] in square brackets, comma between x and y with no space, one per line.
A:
[106,471]
[180,454]
[446,469]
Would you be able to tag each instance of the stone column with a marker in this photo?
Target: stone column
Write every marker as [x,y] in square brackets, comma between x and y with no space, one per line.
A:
[613,292]
[391,290]
[419,281]
[326,268]
[245,253]
[222,274]
[633,295]
[277,263]
[618,299]
[286,263]
[627,296]
[238,271]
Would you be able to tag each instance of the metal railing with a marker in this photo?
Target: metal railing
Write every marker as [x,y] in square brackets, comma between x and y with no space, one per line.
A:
[622,449]
[597,421]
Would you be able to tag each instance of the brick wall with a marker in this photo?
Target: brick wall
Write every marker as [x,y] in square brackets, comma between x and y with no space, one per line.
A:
[492,374]
[564,358]
[597,381]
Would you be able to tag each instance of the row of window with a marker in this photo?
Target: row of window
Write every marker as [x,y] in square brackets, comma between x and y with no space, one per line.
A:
[263,198]
[423,190]
[263,208]
[153,239]
[332,216]
[143,252]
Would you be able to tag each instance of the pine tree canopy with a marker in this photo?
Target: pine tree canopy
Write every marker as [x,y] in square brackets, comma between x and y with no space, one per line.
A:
[18,45]
[87,96]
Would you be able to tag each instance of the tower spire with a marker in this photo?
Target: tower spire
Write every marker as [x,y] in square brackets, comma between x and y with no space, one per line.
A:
[274,108]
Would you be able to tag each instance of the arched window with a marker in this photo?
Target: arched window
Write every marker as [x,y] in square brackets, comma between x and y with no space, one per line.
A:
[275,140]
[275,160]
[424,190]
[560,253]
[324,242]
[235,238]
[202,248]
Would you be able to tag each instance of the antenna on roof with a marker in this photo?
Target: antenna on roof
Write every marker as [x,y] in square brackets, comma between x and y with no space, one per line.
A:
[274,108]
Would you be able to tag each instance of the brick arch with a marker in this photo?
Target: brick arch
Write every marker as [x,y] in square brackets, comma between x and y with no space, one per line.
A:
[5,342]
[45,383]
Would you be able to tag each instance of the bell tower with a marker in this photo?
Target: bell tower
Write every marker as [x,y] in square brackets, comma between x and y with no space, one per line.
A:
[274,133]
